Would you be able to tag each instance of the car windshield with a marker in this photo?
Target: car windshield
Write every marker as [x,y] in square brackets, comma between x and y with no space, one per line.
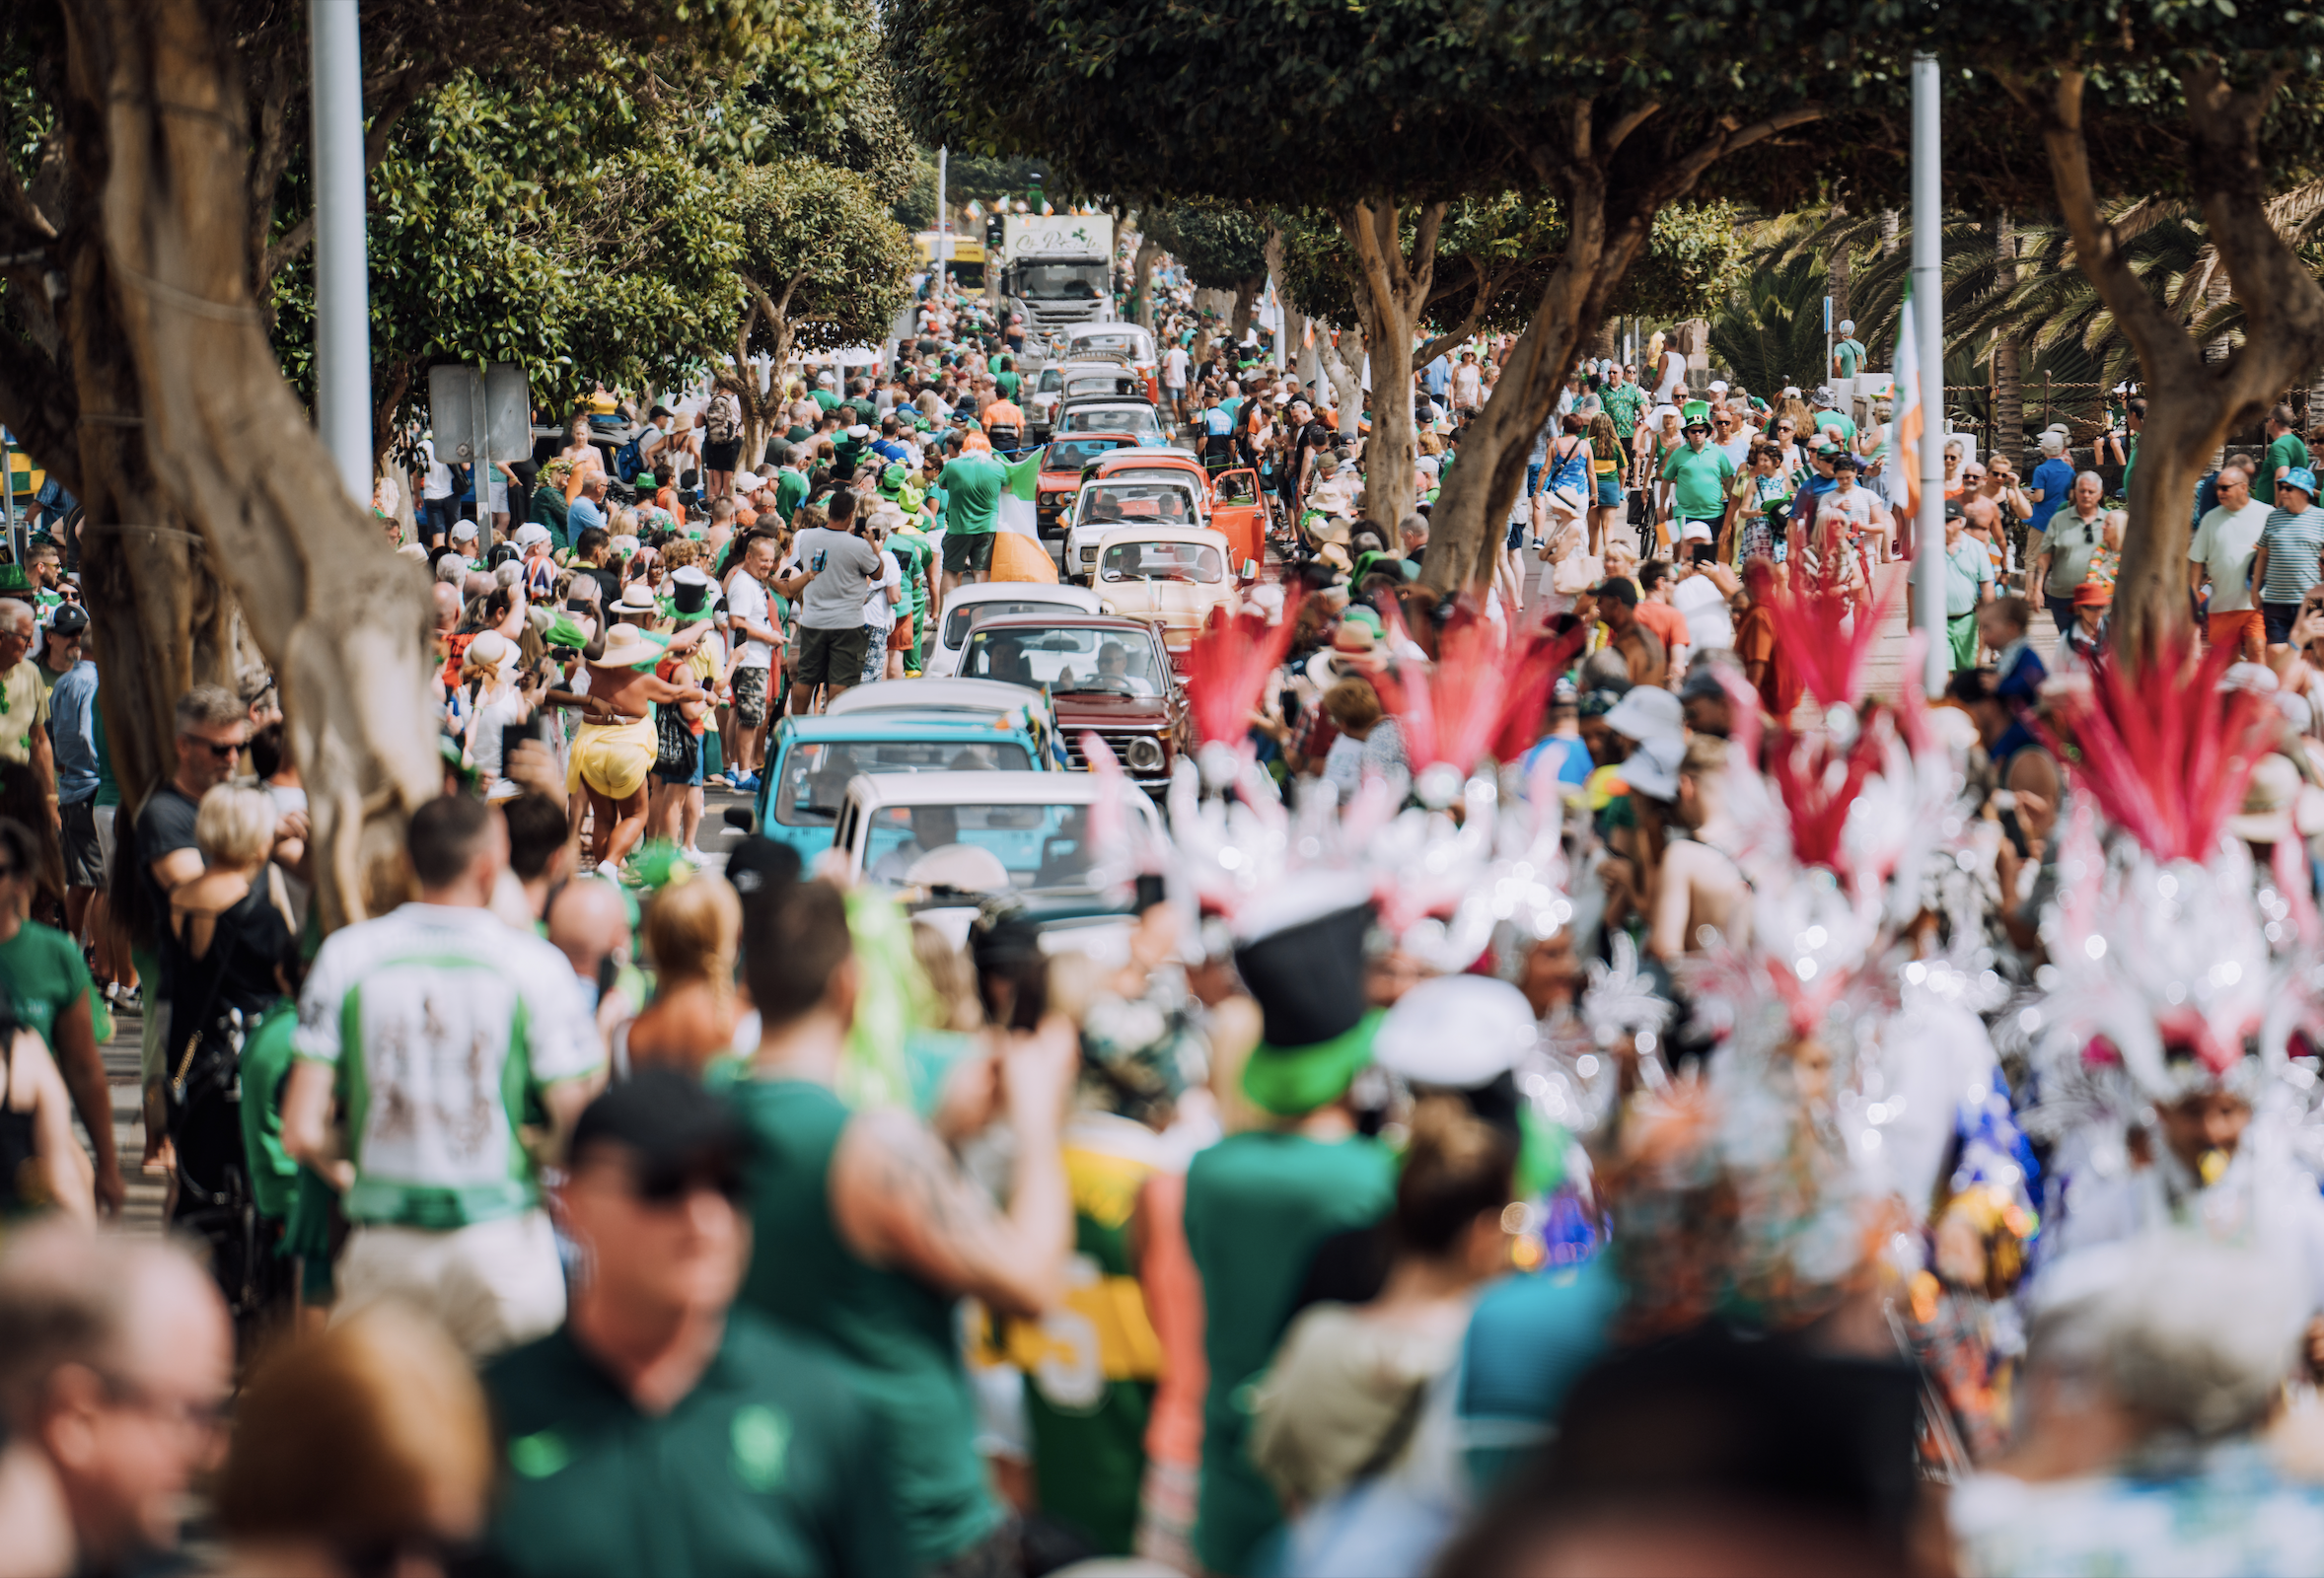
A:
[1103,384]
[1138,419]
[958,621]
[1113,502]
[1038,846]
[1073,455]
[1050,381]
[813,780]
[1066,659]
[1129,345]
[1074,282]
[1163,561]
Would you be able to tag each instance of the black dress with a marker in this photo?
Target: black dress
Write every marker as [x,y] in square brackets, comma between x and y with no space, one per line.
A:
[214,1000]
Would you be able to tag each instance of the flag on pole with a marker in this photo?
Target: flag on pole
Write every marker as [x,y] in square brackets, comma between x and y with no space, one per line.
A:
[1904,443]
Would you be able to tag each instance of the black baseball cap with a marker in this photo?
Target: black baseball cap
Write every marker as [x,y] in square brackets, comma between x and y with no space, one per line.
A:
[677,1131]
[70,618]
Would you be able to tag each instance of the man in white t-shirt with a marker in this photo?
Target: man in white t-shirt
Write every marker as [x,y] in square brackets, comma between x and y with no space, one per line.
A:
[1700,592]
[1174,363]
[1854,511]
[2221,554]
[750,616]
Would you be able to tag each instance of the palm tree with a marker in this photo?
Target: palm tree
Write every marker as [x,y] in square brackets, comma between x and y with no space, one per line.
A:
[1769,331]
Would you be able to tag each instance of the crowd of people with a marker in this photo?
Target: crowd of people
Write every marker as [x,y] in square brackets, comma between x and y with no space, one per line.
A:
[1576,1084]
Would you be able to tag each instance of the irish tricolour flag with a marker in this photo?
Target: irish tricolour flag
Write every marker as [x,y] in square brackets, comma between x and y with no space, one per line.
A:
[1017,553]
[1904,447]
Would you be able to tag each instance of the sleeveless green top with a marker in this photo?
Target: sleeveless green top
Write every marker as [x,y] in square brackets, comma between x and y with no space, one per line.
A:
[894,1337]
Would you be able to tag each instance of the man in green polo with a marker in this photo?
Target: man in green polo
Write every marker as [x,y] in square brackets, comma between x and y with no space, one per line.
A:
[660,1430]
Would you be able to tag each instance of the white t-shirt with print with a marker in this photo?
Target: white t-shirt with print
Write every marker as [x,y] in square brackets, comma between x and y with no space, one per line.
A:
[422,1012]
[746,597]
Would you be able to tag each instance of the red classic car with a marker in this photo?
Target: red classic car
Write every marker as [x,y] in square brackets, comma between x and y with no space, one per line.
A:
[1104,676]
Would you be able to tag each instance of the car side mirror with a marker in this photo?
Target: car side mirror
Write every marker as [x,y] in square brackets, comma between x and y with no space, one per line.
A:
[742,819]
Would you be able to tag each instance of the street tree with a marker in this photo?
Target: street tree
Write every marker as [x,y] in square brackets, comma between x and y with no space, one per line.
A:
[1222,247]
[2080,106]
[824,264]
[1614,115]
[147,149]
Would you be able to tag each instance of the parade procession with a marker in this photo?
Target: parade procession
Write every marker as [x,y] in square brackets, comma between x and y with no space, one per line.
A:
[919,789]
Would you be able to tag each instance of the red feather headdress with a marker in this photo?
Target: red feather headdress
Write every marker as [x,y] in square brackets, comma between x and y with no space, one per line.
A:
[1227,668]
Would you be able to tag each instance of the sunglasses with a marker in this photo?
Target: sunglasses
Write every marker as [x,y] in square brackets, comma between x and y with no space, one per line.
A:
[667,1187]
[222,752]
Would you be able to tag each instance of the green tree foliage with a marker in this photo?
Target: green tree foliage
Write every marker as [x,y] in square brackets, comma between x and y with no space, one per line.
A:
[823,263]
[572,234]
[1769,331]
[1613,115]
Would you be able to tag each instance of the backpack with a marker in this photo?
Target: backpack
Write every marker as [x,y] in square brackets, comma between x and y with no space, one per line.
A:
[628,460]
[720,421]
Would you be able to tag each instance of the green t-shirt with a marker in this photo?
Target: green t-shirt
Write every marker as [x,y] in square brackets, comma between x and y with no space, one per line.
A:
[1258,1206]
[767,1465]
[790,491]
[894,1340]
[265,1064]
[1008,384]
[1850,353]
[2282,452]
[1840,419]
[825,400]
[917,554]
[973,487]
[43,974]
[1701,477]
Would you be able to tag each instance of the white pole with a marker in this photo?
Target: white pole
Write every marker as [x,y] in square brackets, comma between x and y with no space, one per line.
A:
[943,216]
[1929,530]
[342,286]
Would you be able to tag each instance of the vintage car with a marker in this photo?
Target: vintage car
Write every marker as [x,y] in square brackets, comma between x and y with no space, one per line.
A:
[1125,340]
[1062,465]
[1082,379]
[1144,496]
[1109,414]
[1104,676]
[946,842]
[1170,577]
[1232,502]
[814,758]
[971,606]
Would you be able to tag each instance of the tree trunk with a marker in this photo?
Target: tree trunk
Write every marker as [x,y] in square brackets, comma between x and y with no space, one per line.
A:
[1602,243]
[1150,254]
[1246,300]
[2193,402]
[2007,354]
[1839,272]
[1392,292]
[344,621]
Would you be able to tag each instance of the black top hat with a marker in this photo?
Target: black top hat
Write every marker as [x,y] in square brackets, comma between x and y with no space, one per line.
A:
[1308,978]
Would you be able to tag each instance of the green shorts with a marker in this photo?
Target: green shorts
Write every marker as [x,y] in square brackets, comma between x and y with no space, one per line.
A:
[967,552]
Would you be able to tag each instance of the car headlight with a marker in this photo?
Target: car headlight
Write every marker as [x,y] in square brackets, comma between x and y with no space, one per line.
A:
[1145,755]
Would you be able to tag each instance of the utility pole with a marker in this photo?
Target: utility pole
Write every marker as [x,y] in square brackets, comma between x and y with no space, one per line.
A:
[1928,528]
[342,281]
[943,217]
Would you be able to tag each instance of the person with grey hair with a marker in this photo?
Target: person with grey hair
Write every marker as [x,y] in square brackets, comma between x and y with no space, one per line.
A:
[2222,553]
[2286,562]
[23,700]
[2062,560]
[116,1362]
[2152,1366]
[1413,533]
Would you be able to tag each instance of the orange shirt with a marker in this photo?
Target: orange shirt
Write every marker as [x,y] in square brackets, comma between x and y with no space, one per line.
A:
[1003,413]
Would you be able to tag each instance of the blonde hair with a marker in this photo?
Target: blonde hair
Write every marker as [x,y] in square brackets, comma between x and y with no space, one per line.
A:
[694,930]
[235,827]
[950,975]
[678,554]
[369,1432]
